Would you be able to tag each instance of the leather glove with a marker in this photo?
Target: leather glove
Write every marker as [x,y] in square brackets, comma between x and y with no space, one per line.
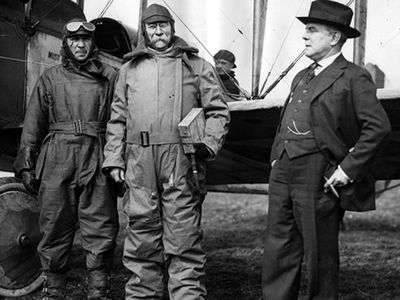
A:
[30,182]
[118,175]
[120,188]
[202,151]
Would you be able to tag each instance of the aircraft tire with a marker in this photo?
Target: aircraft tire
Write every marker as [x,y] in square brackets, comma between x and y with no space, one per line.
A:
[20,269]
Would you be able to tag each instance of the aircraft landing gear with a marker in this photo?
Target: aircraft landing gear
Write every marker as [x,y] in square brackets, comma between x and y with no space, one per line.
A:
[20,269]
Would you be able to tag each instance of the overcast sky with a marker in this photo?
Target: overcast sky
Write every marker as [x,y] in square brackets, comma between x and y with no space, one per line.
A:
[217,24]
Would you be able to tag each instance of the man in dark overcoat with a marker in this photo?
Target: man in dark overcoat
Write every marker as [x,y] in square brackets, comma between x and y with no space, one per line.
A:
[331,127]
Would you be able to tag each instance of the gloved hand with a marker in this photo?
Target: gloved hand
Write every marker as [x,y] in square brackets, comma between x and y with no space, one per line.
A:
[30,182]
[121,188]
[118,175]
[202,151]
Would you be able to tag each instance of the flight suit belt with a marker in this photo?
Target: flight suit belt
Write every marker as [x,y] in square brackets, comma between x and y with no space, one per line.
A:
[78,127]
[145,138]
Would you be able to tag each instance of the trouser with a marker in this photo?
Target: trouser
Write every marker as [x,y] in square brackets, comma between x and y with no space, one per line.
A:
[303,221]
[164,232]
[63,205]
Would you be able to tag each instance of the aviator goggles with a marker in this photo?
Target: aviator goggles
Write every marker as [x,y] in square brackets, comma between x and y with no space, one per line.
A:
[74,26]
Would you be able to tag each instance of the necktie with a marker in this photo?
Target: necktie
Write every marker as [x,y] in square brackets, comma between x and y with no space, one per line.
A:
[311,72]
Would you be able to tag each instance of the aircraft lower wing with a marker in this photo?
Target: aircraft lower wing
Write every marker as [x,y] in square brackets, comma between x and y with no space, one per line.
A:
[245,155]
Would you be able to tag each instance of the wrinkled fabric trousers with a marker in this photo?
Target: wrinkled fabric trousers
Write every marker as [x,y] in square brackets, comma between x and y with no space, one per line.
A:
[74,191]
[303,221]
[164,233]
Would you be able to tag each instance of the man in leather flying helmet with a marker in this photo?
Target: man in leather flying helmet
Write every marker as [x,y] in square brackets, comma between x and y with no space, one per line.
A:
[60,159]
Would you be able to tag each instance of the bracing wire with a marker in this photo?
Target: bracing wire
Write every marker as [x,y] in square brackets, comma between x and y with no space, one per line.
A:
[234,25]
[385,43]
[46,14]
[198,40]
[245,37]
[284,73]
[106,7]
[279,51]
[187,27]
[25,61]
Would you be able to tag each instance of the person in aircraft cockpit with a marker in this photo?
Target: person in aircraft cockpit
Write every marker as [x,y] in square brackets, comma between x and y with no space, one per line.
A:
[224,64]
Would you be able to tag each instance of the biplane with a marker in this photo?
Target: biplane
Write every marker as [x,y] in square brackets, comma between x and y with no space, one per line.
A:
[30,39]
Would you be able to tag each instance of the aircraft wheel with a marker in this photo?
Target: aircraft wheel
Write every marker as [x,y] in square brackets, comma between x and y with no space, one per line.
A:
[20,269]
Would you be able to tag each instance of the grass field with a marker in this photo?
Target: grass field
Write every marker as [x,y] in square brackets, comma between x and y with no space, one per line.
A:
[233,232]
[369,246]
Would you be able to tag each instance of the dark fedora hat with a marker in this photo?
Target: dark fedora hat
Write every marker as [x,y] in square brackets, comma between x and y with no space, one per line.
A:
[333,14]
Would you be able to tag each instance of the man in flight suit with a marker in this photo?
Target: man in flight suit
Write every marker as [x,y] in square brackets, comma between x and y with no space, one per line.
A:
[62,147]
[162,81]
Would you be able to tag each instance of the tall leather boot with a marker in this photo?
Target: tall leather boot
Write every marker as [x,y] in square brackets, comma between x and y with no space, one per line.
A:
[54,286]
[98,286]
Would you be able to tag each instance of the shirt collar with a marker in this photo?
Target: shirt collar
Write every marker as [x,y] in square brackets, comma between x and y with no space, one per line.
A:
[324,63]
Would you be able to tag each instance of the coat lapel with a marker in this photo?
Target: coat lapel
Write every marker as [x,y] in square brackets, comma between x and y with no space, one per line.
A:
[330,75]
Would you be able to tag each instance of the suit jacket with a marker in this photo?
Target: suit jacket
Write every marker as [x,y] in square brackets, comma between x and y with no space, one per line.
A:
[349,125]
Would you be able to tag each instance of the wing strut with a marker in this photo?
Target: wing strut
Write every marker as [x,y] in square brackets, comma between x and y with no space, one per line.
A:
[259,17]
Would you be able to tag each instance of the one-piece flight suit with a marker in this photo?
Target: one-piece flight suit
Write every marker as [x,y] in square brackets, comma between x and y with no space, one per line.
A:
[63,139]
[153,94]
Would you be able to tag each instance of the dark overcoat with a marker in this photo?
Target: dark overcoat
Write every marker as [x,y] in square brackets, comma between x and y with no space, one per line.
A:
[349,125]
